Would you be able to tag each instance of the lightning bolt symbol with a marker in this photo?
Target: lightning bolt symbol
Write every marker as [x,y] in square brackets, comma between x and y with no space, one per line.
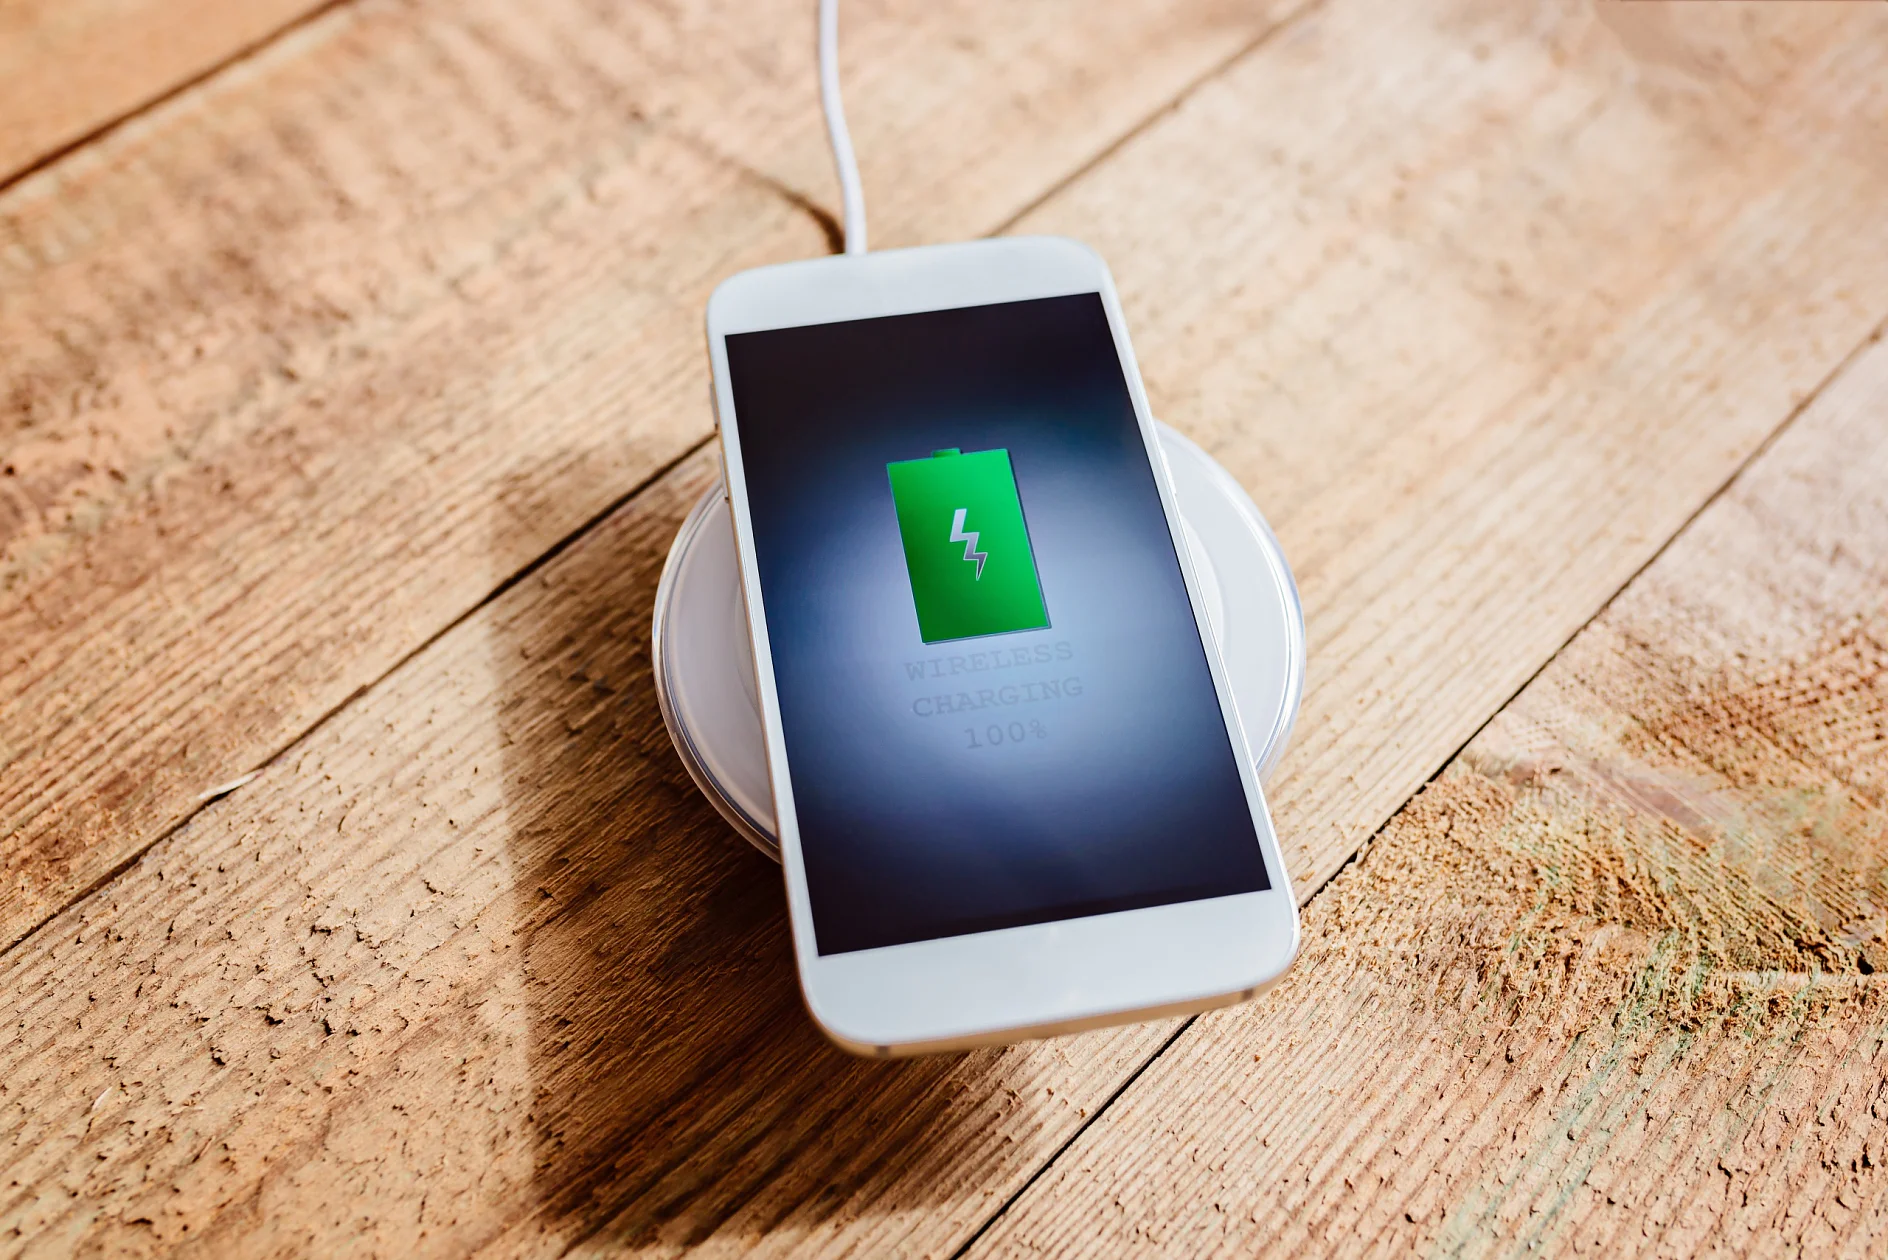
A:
[968,537]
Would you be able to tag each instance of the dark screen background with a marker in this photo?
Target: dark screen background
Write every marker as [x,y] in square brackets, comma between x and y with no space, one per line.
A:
[914,822]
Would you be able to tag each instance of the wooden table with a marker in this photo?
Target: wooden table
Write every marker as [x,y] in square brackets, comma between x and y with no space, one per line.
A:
[352,386]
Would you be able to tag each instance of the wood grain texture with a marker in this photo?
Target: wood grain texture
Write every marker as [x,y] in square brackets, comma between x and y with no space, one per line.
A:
[472,966]
[475,967]
[70,67]
[1480,304]
[1610,985]
[279,355]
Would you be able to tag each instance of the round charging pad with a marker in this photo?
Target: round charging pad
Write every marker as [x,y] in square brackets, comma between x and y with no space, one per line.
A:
[705,671]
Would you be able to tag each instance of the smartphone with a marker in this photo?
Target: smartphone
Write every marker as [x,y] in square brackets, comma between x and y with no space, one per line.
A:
[1013,795]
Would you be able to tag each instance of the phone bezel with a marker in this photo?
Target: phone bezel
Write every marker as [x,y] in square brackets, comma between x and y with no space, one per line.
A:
[1023,981]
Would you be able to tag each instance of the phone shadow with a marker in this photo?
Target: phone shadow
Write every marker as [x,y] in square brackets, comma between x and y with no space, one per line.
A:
[680,1090]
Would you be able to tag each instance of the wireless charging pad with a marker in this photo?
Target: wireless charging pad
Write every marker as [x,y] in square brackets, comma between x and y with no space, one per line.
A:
[705,671]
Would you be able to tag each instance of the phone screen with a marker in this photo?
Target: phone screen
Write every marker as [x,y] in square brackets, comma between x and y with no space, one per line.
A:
[996,704]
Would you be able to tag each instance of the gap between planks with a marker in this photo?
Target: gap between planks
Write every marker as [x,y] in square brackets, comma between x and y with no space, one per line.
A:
[349,275]
[1308,893]
[1543,645]
[821,216]
[97,128]
[497,592]
[1562,1059]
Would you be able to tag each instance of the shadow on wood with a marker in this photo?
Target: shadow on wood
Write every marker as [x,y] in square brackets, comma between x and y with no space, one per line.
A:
[679,1086]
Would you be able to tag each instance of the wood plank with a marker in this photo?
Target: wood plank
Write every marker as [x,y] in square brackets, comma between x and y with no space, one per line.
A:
[69,69]
[1480,306]
[1613,983]
[472,966]
[278,356]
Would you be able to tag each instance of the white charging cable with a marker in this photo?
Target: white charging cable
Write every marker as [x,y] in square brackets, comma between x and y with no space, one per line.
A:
[850,190]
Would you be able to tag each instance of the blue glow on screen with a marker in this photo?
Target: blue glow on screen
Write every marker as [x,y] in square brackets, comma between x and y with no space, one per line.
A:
[1009,779]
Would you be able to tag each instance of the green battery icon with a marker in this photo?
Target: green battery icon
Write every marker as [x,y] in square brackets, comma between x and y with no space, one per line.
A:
[966,545]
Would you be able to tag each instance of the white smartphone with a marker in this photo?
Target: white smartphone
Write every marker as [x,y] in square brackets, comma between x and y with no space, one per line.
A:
[1013,795]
